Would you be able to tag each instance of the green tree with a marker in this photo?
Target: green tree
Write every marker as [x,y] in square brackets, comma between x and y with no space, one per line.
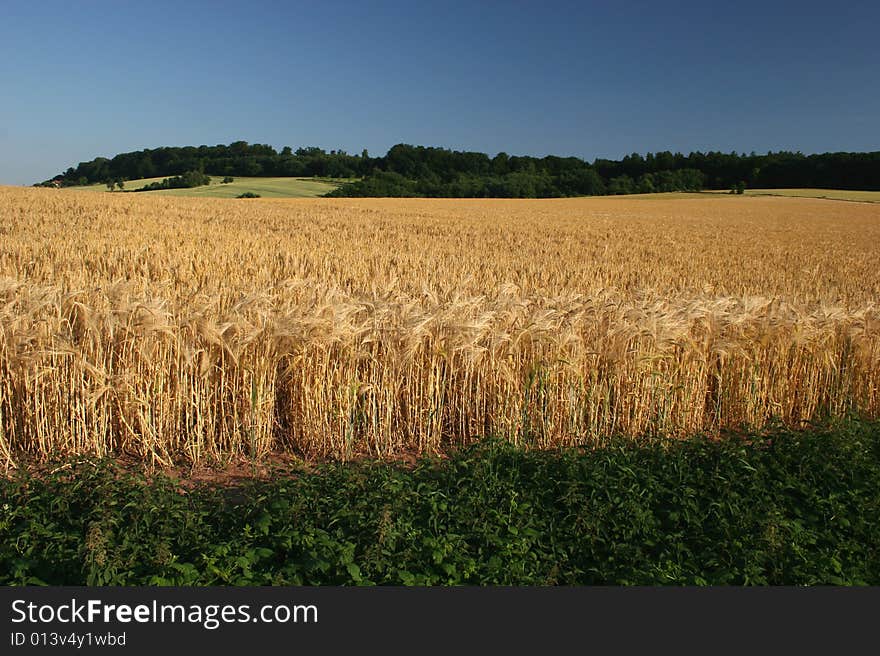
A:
[622,184]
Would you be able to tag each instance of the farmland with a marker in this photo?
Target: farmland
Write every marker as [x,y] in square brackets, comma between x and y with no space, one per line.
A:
[199,330]
[265,187]
[654,390]
[830,194]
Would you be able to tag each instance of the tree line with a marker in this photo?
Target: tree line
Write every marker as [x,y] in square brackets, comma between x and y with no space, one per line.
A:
[188,180]
[407,170]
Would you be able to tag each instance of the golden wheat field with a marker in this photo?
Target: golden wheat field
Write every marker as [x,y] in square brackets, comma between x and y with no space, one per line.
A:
[188,330]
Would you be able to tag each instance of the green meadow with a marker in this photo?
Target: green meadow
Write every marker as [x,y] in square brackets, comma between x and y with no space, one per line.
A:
[830,194]
[265,187]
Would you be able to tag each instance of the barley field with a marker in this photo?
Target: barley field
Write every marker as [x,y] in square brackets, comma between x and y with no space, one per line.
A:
[190,330]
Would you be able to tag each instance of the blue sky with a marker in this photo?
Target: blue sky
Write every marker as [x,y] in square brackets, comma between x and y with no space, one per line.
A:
[590,79]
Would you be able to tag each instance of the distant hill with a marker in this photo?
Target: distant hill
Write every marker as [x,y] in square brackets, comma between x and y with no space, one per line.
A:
[407,170]
[237,159]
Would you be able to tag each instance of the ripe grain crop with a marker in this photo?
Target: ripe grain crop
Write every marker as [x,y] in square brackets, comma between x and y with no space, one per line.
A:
[180,329]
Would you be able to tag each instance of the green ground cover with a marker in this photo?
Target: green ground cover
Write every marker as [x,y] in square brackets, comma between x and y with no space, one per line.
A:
[789,508]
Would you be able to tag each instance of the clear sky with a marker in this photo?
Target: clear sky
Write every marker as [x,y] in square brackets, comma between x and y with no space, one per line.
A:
[591,79]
